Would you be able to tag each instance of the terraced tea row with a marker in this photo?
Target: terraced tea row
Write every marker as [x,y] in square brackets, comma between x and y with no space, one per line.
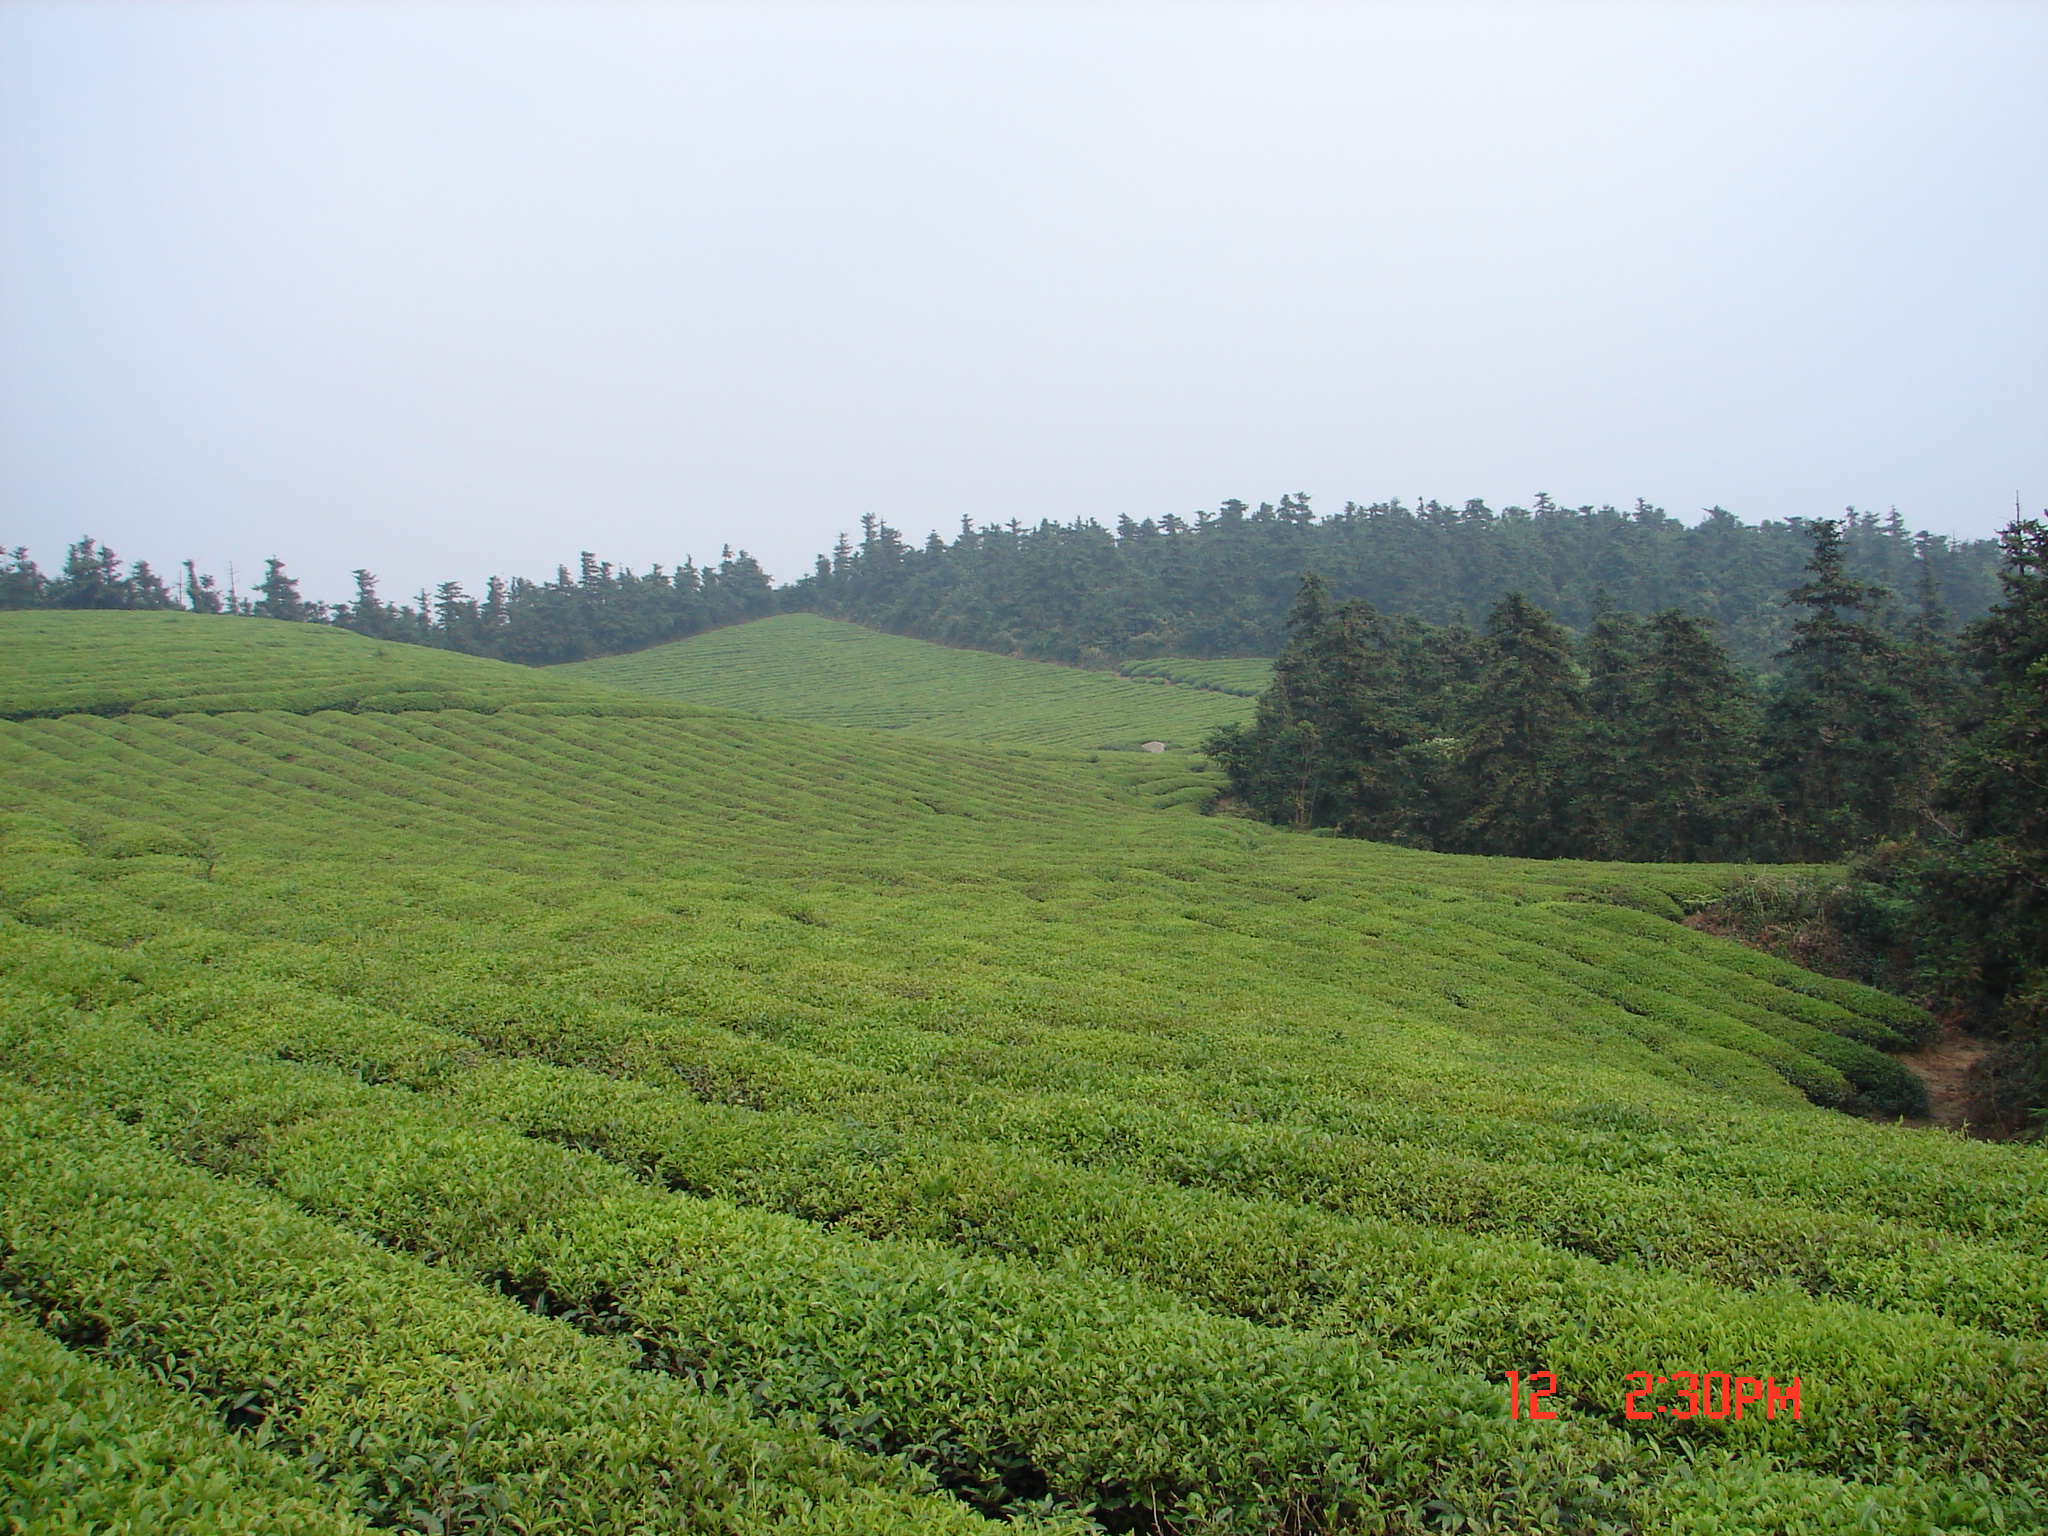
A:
[427,1400]
[281,1122]
[801,667]
[1245,677]
[977,1105]
[169,663]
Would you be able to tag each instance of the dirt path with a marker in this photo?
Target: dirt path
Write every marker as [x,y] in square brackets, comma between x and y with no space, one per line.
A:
[1945,1067]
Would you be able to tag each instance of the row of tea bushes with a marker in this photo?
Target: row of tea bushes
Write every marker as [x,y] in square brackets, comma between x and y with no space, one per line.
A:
[1008,1381]
[1384,1171]
[91,1449]
[430,1403]
[1245,676]
[1494,1305]
[798,666]
[165,663]
[1266,1258]
[456,1190]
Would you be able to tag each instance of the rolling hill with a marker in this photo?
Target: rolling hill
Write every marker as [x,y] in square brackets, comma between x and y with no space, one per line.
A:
[173,663]
[517,1112]
[800,667]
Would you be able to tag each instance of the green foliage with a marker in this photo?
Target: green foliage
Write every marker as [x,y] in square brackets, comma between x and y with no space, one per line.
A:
[1844,749]
[1221,586]
[91,578]
[801,667]
[86,1447]
[978,1105]
[599,611]
[1246,677]
[178,663]
[1639,742]
[431,1402]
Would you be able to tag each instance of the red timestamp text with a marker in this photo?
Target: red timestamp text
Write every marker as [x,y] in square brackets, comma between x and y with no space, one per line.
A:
[1710,1395]
[1694,1395]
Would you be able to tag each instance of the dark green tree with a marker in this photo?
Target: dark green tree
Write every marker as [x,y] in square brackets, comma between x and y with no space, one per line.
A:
[1515,772]
[1839,726]
[1698,796]
[1983,912]
[1607,775]
[202,593]
[280,596]
[22,583]
[91,578]
[1283,762]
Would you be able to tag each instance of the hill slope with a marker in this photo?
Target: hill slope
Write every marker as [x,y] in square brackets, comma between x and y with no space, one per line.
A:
[170,663]
[974,1105]
[801,667]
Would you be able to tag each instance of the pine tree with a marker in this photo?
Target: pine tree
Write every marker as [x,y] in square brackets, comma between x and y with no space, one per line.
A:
[1521,736]
[1984,907]
[22,583]
[1698,760]
[1280,763]
[1606,779]
[280,599]
[91,578]
[1839,732]
[202,594]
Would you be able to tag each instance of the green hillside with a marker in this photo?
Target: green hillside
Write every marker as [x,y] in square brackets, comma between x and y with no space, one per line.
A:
[169,663]
[598,1122]
[801,667]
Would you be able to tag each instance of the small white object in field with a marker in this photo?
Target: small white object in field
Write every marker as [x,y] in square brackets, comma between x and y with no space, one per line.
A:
[1152,746]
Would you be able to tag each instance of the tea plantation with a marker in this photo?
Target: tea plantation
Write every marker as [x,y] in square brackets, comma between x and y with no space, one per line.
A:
[554,1110]
[800,667]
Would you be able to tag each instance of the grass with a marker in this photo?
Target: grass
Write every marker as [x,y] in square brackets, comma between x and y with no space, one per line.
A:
[802,667]
[944,1128]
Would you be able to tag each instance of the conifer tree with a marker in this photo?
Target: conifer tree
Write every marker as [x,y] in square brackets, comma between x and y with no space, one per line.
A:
[1839,727]
[1699,795]
[280,596]
[1280,762]
[91,578]
[22,583]
[1607,786]
[1984,908]
[202,593]
[1522,732]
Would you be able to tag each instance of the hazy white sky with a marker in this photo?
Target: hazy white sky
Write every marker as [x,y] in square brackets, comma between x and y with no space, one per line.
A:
[448,289]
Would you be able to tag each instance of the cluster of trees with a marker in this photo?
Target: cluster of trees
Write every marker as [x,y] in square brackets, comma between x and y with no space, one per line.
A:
[1214,584]
[1642,739]
[1219,584]
[1923,755]
[599,611]
[92,577]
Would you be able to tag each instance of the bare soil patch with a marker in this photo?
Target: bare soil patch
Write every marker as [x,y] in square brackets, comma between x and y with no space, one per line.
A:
[1948,1068]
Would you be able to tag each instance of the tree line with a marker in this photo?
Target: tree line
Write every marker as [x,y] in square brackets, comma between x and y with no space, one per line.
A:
[1220,584]
[600,610]
[1212,584]
[1642,739]
[1921,756]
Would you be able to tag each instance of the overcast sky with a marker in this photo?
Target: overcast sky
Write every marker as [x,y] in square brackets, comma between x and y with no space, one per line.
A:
[453,289]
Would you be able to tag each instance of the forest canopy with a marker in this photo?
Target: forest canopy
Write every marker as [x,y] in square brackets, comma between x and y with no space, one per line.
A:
[1212,584]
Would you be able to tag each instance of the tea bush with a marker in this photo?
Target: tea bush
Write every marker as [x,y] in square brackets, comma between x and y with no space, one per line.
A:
[798,666]
[86,1447]
[430,1401]
[1245,677]
[845,1070]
